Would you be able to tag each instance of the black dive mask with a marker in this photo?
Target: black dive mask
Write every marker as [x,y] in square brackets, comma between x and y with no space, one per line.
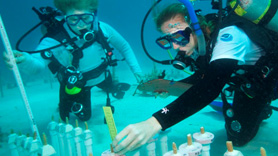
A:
[180,37]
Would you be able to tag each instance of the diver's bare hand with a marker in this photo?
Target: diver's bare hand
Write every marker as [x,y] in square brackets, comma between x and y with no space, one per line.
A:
[19,58]
[135,135]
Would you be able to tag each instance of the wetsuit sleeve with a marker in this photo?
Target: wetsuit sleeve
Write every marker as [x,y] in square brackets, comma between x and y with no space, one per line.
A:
[193,79]
[123,47]
[199,95]
[34,63]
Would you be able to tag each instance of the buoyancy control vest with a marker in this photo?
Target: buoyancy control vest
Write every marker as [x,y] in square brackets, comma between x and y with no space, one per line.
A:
[52,25]
[70,76]
[263,76]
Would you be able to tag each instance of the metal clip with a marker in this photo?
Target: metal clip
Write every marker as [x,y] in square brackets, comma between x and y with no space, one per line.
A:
[265,71]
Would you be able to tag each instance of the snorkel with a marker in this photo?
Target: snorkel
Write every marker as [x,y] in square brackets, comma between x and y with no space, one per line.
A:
[196,27]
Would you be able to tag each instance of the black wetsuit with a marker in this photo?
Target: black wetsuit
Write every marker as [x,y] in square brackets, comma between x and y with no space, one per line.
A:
[83,98]
[247,111]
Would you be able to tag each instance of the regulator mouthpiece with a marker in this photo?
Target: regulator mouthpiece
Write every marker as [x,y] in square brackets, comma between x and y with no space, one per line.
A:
[87,35]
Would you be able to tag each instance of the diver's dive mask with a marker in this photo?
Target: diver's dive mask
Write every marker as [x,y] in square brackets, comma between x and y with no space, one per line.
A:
[73,20]
[180,37]
[87,18]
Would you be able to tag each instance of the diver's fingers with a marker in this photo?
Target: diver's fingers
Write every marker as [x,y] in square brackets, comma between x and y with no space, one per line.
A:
[19,58]
[131,147]
[6,56]
[7,60]
[138,142]
[118,143]
[134,138]
[9,65]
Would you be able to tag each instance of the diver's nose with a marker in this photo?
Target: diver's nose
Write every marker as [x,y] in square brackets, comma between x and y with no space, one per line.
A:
[81,24]
[175,46]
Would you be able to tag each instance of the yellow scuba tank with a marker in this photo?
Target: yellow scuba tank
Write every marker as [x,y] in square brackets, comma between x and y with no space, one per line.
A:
[262,12]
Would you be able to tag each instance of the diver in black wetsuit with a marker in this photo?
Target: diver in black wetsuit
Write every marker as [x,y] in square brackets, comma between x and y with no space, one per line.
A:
[232,51]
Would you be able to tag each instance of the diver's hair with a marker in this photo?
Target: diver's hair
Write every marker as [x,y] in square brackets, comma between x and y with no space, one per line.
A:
[179,9]
[66,5]
[170,12]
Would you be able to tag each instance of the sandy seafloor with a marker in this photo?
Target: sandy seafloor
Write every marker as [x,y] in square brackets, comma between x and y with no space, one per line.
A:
[43,99]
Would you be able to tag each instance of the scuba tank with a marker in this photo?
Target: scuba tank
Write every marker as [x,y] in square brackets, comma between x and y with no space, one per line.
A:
[262,12]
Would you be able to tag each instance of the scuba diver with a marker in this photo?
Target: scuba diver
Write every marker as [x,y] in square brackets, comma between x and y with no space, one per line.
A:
[231,58]
[77,50]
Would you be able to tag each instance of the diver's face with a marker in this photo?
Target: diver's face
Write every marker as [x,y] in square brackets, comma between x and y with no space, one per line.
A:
[79,19]
[176,24]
